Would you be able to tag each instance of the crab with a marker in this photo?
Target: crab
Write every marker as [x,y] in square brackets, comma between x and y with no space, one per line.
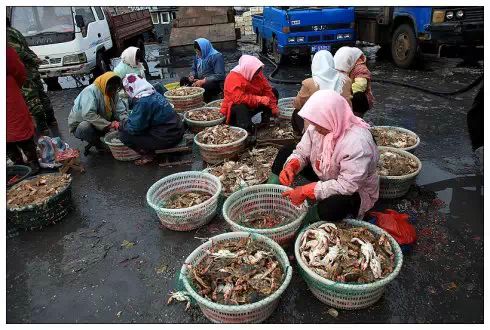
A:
[370,257]
[180,296]
[223,254]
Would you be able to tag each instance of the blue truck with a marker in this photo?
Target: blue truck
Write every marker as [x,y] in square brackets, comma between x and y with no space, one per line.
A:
[302,31]
[405,32]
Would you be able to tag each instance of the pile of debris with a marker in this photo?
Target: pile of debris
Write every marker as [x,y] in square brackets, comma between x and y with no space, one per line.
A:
[347,254]
[237,272]
[395,164]
[253,168]
[37,190]
[185,200]
[389,137]
[220,134]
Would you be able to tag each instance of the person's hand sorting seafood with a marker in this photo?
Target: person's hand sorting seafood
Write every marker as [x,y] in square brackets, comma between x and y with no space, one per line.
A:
[337,153]
[97,109]
[153,124]
[247,93]
[208,70]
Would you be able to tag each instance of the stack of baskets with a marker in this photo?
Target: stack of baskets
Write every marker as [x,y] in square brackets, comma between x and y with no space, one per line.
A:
[190,218]
[187,102]
[37,216]
[197,126]
[216,153]
[397,186]
[347,295]
[260,198]
[249,313]
[118,149]
[286,107]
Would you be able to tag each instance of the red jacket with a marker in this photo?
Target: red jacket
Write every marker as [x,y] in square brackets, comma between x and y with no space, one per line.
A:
[19,120]
[239,90]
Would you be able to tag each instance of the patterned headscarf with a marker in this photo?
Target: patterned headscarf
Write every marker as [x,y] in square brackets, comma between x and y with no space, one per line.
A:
[137,87]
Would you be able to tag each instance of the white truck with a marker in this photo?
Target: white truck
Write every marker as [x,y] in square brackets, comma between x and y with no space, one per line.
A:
[78,40]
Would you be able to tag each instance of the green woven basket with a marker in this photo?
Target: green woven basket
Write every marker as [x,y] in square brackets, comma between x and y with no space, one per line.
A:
[347,295]
[53,210]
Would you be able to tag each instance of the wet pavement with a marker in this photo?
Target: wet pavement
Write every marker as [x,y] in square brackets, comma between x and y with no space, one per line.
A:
[80,271]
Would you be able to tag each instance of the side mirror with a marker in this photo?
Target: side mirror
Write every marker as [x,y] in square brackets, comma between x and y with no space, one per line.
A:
[79,21]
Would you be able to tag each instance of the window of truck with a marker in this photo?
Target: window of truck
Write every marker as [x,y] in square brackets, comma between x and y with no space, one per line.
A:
[86,13]
[44,25]
[100,14]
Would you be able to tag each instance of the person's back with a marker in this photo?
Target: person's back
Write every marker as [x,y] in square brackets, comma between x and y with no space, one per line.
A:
[89,97]
[149,111]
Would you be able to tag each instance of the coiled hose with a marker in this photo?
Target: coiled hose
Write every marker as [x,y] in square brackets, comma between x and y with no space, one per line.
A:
[381,81]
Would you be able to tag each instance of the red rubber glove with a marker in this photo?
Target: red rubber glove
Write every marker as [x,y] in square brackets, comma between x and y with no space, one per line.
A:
[114,125]
[299,194]
[263,100]
[286,177]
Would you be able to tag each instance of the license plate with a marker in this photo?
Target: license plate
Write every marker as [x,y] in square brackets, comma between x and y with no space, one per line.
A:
[316,48]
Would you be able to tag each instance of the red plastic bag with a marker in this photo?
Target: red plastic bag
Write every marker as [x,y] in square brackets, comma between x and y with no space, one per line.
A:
[397,225]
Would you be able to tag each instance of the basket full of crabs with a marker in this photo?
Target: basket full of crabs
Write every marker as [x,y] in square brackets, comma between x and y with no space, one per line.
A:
[185,201]
[220,142]
[398,170]
[118,149]
[39,201]
[185,98]
[395,137]
[278,133]
[347,265]
[237,277]
[263,210]
[200,118]
[252,168]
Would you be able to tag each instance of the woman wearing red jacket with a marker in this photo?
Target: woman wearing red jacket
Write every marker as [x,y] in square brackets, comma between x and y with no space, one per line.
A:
[247,93]
[20,128]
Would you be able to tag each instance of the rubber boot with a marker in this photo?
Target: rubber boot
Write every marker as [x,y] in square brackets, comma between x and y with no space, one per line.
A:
[273,179]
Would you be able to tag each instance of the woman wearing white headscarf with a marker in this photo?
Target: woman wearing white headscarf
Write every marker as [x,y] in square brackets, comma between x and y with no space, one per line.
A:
[131,62]
[152,124]
[323,77]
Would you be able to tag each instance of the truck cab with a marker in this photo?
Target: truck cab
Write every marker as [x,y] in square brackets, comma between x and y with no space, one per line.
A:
[285,31]
[68,40]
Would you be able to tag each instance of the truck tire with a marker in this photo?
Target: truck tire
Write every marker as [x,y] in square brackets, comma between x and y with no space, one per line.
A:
[260,42]
[278,57]
[404,46]
[101,66]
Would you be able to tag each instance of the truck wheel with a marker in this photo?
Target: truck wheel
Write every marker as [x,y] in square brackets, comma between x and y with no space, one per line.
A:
[404,46]
[260,42]
[101,66]
[278,57]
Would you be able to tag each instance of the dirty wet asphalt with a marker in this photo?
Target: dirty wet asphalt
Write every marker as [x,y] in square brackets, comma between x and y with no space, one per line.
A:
[79,271]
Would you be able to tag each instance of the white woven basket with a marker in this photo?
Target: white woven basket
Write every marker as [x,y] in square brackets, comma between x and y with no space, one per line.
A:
[215,104]
[187,102]
[119,150]
[250,313]
[198,126]
[286,107]
[187,218]
[260,198]
[348,295]
[215,153]
[397,186]
[404,130]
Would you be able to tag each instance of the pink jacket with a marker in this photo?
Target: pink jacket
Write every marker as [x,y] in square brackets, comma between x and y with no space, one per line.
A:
[353,168]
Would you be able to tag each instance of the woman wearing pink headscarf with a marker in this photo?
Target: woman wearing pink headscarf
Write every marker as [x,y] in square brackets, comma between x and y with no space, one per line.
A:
[338,153]
[247,93]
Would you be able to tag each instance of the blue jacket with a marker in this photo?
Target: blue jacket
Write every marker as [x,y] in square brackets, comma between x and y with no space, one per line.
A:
[148,112]
[211,65]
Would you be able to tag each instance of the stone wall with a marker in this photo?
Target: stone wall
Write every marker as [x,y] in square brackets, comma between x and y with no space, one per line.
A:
[244,21]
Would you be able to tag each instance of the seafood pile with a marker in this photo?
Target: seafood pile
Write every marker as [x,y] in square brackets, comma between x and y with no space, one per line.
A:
[275,132]
[37,190]
[183,91]
[237,272]
[388,137]
[220,134]
[347,254]
[394,164]
[253,168]
[204,114]
[185,200]
[263,220]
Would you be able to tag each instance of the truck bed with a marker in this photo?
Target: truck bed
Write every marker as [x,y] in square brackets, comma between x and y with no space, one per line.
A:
[128,25]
